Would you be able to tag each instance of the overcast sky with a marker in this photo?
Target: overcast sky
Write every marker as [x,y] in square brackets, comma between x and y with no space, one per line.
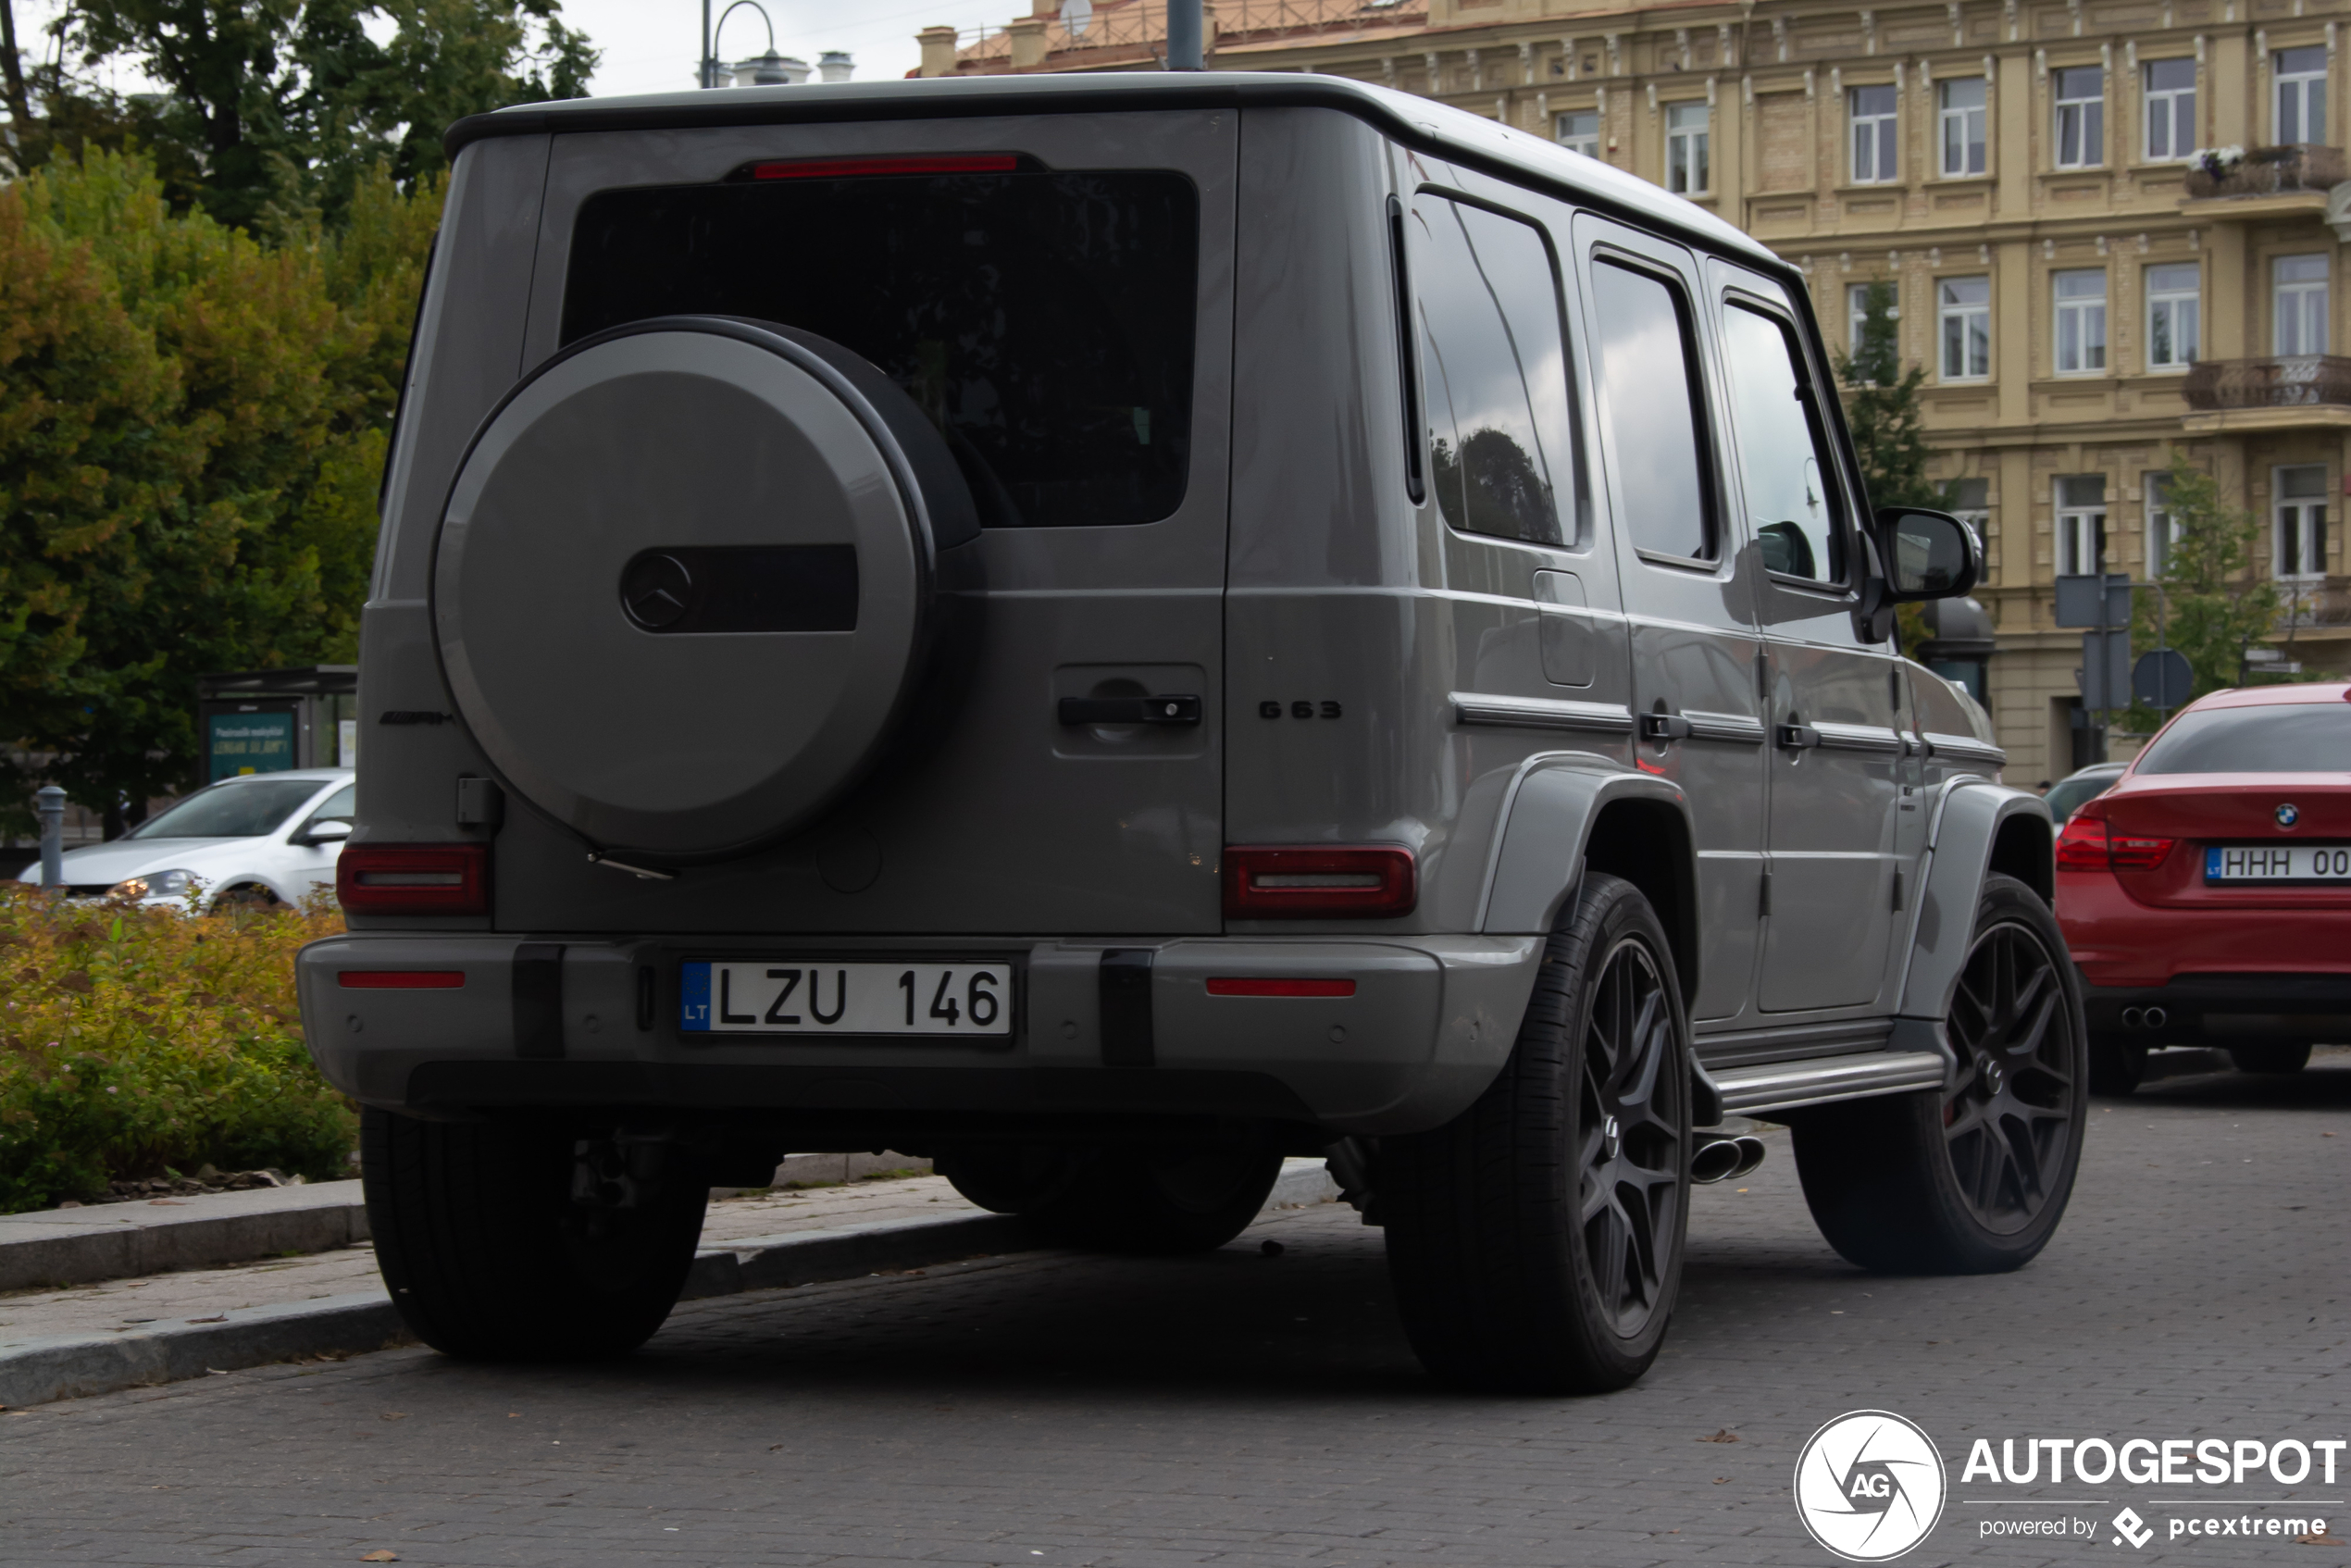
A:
[651,45]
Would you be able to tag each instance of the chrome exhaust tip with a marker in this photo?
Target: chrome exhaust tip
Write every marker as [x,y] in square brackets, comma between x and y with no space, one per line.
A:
[1719,1159]
[2155,1018]
[1750,1155]
[2134,1018]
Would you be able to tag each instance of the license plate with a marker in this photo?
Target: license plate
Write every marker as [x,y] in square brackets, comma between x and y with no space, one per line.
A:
[805,997]
[2277,863]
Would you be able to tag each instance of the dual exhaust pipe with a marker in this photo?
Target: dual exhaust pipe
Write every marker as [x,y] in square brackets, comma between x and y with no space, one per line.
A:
[1722,1159]
[2143,1017]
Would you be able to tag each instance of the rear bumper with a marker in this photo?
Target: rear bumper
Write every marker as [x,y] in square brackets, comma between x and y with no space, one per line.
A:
[550,1022]
[2121,943]
[2195,1009]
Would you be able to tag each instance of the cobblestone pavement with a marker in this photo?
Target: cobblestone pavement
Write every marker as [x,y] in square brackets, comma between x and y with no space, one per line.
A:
[1264,1411]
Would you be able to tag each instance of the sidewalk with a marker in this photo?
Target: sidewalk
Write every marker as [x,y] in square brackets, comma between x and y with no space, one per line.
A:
[64,1343]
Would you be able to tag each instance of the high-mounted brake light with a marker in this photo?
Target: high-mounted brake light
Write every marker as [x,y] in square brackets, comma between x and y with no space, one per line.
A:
[2088,844]
[1236,986]
[401,980]
[1310,881]
[414,879]
[855,169]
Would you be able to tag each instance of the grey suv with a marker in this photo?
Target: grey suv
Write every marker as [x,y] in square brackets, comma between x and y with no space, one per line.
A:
[1112,630]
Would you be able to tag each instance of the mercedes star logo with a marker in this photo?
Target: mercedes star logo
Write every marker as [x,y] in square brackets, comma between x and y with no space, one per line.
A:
[654,591]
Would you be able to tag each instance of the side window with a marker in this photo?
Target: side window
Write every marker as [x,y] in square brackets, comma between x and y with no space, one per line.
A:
[1500,428]
[1647,362]
[338,807]
[1792,501]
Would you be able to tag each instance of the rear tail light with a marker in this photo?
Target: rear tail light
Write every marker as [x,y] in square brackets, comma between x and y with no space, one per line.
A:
[858,169]
[1315,881]
[414,879]
[401,980]
[2088,845]
[1243,987]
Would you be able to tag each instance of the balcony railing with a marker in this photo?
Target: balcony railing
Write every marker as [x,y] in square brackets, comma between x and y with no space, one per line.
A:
[2303,380]
[2269,171]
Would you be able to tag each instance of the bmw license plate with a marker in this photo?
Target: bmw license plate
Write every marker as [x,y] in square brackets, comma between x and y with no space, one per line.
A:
[808,997]
[2277,863]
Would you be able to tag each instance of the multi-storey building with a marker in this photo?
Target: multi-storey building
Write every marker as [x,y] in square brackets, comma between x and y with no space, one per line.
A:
[2108,223]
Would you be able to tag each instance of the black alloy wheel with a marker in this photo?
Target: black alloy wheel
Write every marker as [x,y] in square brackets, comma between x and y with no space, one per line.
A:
[1535,1240]
[2008,1119]
[1629,1188]
[1972,1177]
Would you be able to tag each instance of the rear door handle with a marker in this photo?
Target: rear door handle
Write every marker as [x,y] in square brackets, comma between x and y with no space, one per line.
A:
[1662,727]
[1172,708]
[1799,737]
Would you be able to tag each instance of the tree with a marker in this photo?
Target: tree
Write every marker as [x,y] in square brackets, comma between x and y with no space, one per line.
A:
[280,105]
[2214,604]
[1882,411]
[191,427]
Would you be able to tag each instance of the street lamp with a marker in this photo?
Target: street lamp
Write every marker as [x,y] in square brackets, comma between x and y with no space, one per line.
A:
[765,75]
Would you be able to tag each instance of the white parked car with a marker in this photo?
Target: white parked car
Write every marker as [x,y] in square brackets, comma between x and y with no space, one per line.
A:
[262,838]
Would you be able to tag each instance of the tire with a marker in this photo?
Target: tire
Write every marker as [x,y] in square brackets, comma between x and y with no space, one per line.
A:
[1535,1241]
[1972,1179]
[488,1255]
[2117,1064]
[2270,1056]
[1152,1201]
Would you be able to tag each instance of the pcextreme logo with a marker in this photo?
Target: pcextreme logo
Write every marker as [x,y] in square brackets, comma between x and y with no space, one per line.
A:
[1869,1486]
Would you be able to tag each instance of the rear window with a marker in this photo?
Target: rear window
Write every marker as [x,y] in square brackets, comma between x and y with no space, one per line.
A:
[1043,320]
[232,809]
[2313,738]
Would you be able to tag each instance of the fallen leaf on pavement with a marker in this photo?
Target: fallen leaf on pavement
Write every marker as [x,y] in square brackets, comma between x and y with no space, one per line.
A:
[382,1557]
[395,1415]
[2318,1540]
[1724,1435]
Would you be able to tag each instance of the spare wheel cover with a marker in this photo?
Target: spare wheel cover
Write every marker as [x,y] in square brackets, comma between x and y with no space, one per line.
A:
[771,529]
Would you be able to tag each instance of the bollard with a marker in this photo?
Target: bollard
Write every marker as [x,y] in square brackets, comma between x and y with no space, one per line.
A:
[51,803]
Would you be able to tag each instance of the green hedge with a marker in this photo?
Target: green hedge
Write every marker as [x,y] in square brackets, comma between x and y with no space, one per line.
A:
[136,1040]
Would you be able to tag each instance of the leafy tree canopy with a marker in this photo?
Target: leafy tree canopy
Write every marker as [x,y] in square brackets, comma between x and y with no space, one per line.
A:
[191,428]
[2214,606]
[275,109]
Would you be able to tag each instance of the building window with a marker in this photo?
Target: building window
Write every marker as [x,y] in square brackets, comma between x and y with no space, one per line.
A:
[2163,529]
[2299,299]
[1687,170]
[1964,305]
[2081,117]
[2174,335]
[2080,523]
[2081,322]
[1961,114]
[2301,77]
[1580,132]
[1857,310]
[2170,100]
[1875,161]
[2299,505]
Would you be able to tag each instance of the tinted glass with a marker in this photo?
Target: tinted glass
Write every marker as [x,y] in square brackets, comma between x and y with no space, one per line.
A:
[1043,321]
[2314,737]
[2067,796]
[1648,377]
[1500,433]
[340,806]
[234,808]
[1783,458]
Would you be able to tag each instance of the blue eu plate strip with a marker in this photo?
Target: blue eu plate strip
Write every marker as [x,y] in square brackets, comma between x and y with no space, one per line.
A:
[693,996]
[2211,868]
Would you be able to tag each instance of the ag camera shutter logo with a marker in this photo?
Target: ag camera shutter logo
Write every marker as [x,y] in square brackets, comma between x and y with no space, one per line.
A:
[1869,1486]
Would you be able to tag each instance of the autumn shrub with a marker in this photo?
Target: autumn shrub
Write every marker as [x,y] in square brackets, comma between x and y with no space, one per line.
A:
[135,1040]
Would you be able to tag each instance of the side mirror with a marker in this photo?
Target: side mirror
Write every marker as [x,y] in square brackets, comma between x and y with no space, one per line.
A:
[1928,554]
[326,830]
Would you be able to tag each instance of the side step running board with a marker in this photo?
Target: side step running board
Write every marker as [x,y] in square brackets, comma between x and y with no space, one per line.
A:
[1784,1085]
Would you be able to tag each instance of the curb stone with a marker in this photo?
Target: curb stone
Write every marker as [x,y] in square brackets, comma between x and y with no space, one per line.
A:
[69,1366]
[161,1236]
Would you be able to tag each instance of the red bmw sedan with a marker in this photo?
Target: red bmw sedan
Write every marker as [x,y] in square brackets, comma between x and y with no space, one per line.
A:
[2207,896]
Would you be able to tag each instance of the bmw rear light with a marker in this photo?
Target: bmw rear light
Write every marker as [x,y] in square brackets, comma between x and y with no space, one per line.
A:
[1317,881]
[414,879]
[2088,845]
